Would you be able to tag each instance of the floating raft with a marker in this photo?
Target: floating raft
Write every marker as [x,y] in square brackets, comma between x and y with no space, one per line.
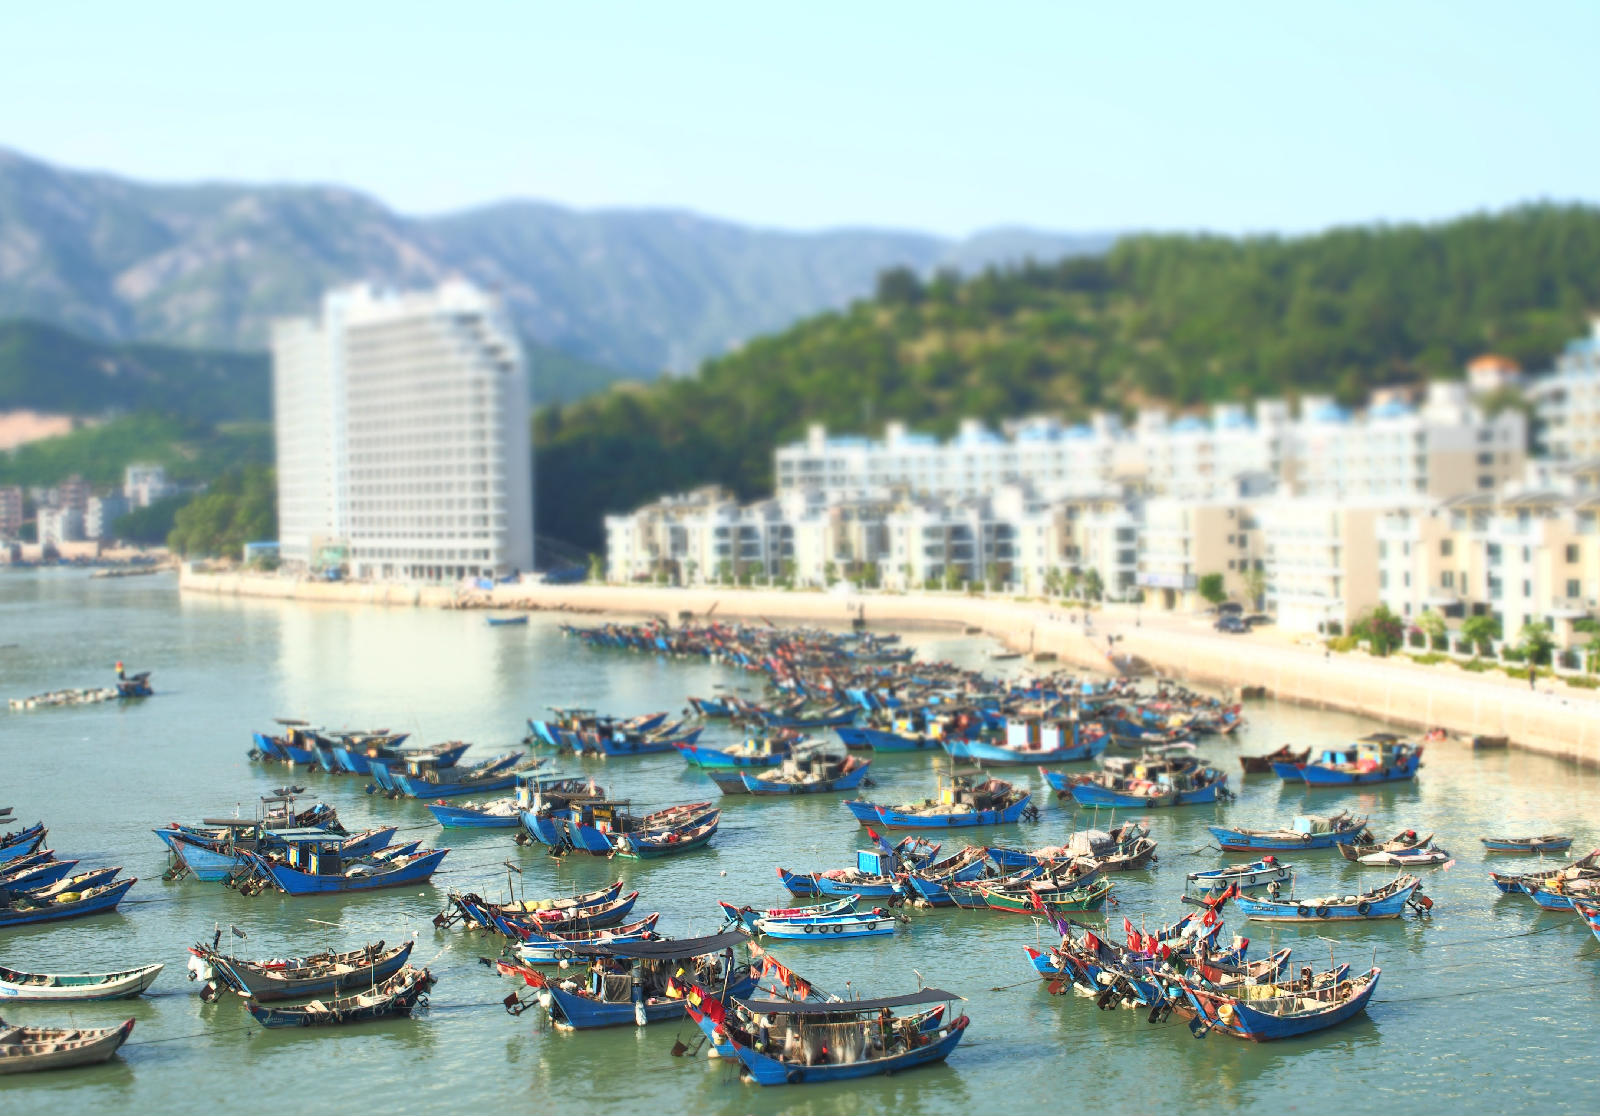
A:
[66,697]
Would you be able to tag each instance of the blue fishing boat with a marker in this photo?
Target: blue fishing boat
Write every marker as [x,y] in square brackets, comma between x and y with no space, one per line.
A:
[911,730]
[1306,831]
[766,750]
[1258,873]
[38,869]
[1032,741]
[876,923]
[818,772]
[1549,843]
[52,905]
[598,827]
[876,874]
[314,865]
[718,708]
[1388,901]
[506,621]
[1557,893]
[531,924]
[864,1039]
[1143,783]
[960,803]
[355,755]
[834,716]
[932,882]
[637,983]
[1590,913]
[503,813]
[1512,883]
[472,909]
[1381,757]
[552,948]
[217,857]
[671,839]
[1267,1012]
[747,916]
[426,781]
[22,842]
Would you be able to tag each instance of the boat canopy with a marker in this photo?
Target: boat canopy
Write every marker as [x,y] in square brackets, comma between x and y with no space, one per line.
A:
[837,1007]
[666,948]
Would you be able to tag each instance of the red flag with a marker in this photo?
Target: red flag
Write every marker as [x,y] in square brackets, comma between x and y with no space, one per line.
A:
[871,836]
[1033,896]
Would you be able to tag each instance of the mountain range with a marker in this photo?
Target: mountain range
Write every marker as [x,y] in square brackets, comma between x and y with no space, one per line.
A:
[602,293]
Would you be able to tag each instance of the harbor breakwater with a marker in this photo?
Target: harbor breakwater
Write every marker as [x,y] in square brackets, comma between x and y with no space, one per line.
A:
[1555,720]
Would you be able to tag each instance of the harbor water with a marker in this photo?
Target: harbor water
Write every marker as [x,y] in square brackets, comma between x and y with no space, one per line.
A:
[1481,1008]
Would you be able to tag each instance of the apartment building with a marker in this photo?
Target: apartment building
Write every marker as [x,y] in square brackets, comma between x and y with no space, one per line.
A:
[59,524]
[1318,557]
[1185,540]
[101,515]
[1567,401]
[143,485]
[402,431]
[10,511]
[1522,557]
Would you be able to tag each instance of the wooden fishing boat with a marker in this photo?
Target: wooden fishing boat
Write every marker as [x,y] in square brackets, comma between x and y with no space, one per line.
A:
[501,813]
[319,974]
[807,1041]
[960,802]
[1548,843]
[552,949]
[212,858]
[1405,839]
[1263,765]
[1134,973]
[523,927]
[1559,892]
[506,621]
[354,753]
[747,916]
[1408,858]
[316,866]
[37,869]
[16,986]
[52,905]
[816,769]
[1380,757]
[1265,1012]
[1042,896]
[638,983]
[27,1049]
[765,750]
[397,997]
[1258,873]
[1388,901]
[474,910]
[1306,831]
[1142,785]
[1511,883]
[842,926]
[671,840]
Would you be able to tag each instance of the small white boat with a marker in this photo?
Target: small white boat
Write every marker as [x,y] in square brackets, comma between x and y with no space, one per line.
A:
[1407,857]
[1258,873]
[26,1049]
[18,986]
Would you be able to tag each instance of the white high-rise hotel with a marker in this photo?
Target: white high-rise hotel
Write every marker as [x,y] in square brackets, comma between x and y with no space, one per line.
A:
[402,435]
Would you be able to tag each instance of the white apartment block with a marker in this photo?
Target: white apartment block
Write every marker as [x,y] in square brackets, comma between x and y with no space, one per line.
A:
[1567,401]
[402,427]
[143,485]
[100,517]
[1319,557]
[60,524]
[1183,541]
[1442,447]
[10,511]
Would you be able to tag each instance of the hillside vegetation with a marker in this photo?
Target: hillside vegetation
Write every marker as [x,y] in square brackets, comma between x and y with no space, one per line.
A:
[1182,319]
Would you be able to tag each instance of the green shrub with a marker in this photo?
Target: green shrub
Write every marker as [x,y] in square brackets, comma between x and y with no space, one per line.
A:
[1583,681]
[1428,659]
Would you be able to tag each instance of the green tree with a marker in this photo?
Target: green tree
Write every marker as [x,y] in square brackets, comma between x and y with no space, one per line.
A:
[240,507]
[1211,588]
[690,569]
[1255,587]
[1480,631]
[871,575]
[1535,642]
[597,568]
[724,572]
[1052,582]
[991,576]
[1381,628]
[788,574]
[952,576]
[830,573]
[1093,587]
[1432,625]
[1072,584]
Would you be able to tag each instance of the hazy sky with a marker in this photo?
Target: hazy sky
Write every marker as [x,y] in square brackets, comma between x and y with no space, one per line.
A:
[943,117]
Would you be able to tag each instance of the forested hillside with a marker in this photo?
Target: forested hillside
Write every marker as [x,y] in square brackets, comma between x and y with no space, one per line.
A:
[1184,319]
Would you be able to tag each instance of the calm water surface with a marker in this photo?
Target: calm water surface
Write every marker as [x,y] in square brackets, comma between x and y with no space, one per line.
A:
[1485,1008]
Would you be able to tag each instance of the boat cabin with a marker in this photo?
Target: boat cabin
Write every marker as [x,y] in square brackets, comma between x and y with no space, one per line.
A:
[1036,734]
[1312,824]
[316,854]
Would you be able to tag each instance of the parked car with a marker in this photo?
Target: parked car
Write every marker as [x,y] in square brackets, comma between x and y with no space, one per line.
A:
[1230,623]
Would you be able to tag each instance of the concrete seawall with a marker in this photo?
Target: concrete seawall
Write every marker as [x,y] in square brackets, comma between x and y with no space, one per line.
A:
[1563,722]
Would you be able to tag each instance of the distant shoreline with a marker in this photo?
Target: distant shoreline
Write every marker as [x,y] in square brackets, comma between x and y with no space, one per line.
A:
[1402,693]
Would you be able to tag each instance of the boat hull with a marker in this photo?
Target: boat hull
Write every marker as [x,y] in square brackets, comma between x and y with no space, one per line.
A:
[769,1071]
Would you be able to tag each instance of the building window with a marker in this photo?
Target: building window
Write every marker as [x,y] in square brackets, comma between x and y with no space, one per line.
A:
[1448,579]
[1446,547]
[1572,552]
[1574,590]
[1527,588]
